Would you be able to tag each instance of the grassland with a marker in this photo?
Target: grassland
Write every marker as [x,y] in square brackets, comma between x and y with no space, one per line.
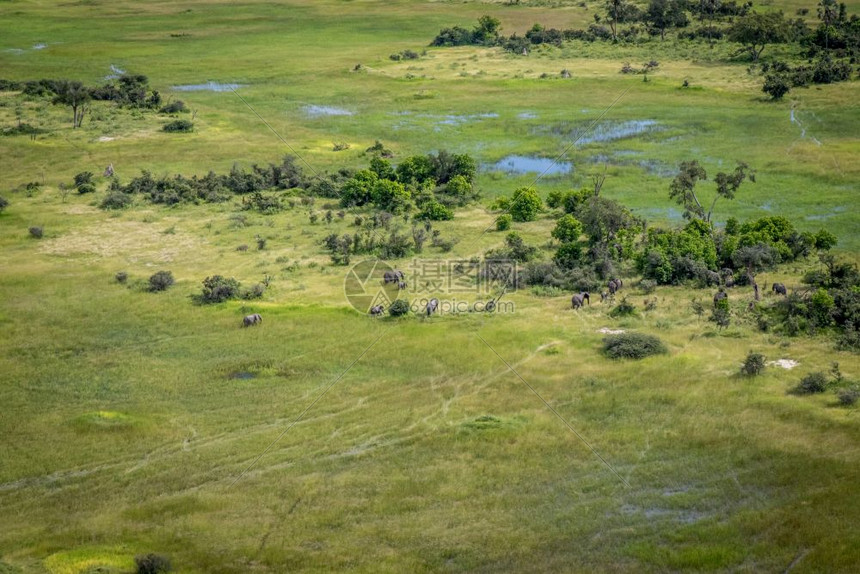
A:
[130,418]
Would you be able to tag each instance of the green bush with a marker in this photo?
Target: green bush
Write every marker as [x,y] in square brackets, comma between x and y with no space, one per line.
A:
[776,86]
[398,308]
[811,384]
[848,397]
[4,203]
[85,188]
[161,281]
[525,204]
[217,289]
[503,222]
[83,178]
[174,108]
[116,200]
[121,277]
[753,364]
[36,232]
[152,564]
[179,126]
[623,309]
[632,346]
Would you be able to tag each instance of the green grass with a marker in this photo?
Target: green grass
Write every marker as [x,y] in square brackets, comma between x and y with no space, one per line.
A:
[138,422]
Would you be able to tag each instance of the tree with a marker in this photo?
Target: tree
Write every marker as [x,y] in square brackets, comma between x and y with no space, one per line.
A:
[828,13]
[75,95]
[755,31]
[525,204]
[391,196]
[568,229]
[359,189]
[620,11]
[486,32]
[664,14]
[683,187]
[754,258]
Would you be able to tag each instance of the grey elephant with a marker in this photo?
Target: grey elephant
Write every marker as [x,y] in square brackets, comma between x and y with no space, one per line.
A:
[432,305]
[578,299]
[393,276]
[254,319]
[376,310]
[614,285]
[719,296]
[779,289]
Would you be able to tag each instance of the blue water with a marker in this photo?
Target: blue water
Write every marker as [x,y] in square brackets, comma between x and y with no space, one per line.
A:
[315,111]
[525,164]
[208,87]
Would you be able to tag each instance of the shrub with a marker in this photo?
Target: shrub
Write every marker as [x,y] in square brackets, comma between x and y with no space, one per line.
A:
[623,309]
[255,292]
[4,203]
[753,364]
[217,289]
[648,286]
[435,211]
[776,86]
[121,277]
[83,177]
[36,232]
[152,564]
[161,281]
[632,346]
[398,308]
[525,204]
[174,108]
[503,222]
[179,126]
[116,200]
[848,397]
[811,384]
[86,188]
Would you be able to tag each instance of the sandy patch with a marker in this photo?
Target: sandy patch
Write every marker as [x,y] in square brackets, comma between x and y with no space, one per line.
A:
[80,210]
[784,363]
[133,239]
[608,331]
[106,139]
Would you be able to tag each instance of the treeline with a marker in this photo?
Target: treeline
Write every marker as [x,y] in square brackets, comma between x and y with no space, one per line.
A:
[127,90]
[831,47]
[429,186]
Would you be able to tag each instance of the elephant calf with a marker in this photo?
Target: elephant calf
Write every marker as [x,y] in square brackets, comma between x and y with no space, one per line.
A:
[254,319]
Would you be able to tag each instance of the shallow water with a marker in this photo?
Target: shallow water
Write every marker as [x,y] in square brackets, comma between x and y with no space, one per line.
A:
[315,111]
[520,164]
[207,87]
[584,133]
[116,72]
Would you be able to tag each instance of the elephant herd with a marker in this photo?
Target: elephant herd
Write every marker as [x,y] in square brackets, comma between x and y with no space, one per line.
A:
[577,301]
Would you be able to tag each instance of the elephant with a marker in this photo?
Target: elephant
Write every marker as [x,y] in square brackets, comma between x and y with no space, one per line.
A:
[402,285]
[432,305]
[730,281]
[254,319]
[393,276]
[578,299]
[719,296]
[603,296]
[376,310]
[757,292]
[614,285]
[779,289]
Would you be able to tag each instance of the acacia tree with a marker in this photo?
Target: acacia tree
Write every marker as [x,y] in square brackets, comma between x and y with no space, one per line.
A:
[620,11]
[664,14]
[755,31]
[74,95]
[683,187]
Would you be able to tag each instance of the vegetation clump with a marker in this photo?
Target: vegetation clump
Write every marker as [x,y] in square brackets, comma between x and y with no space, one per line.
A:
[811,384]
[160,281]
[217,289]
[399,308]
[184,126]
[152,564]
[632,346]
[753,365]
